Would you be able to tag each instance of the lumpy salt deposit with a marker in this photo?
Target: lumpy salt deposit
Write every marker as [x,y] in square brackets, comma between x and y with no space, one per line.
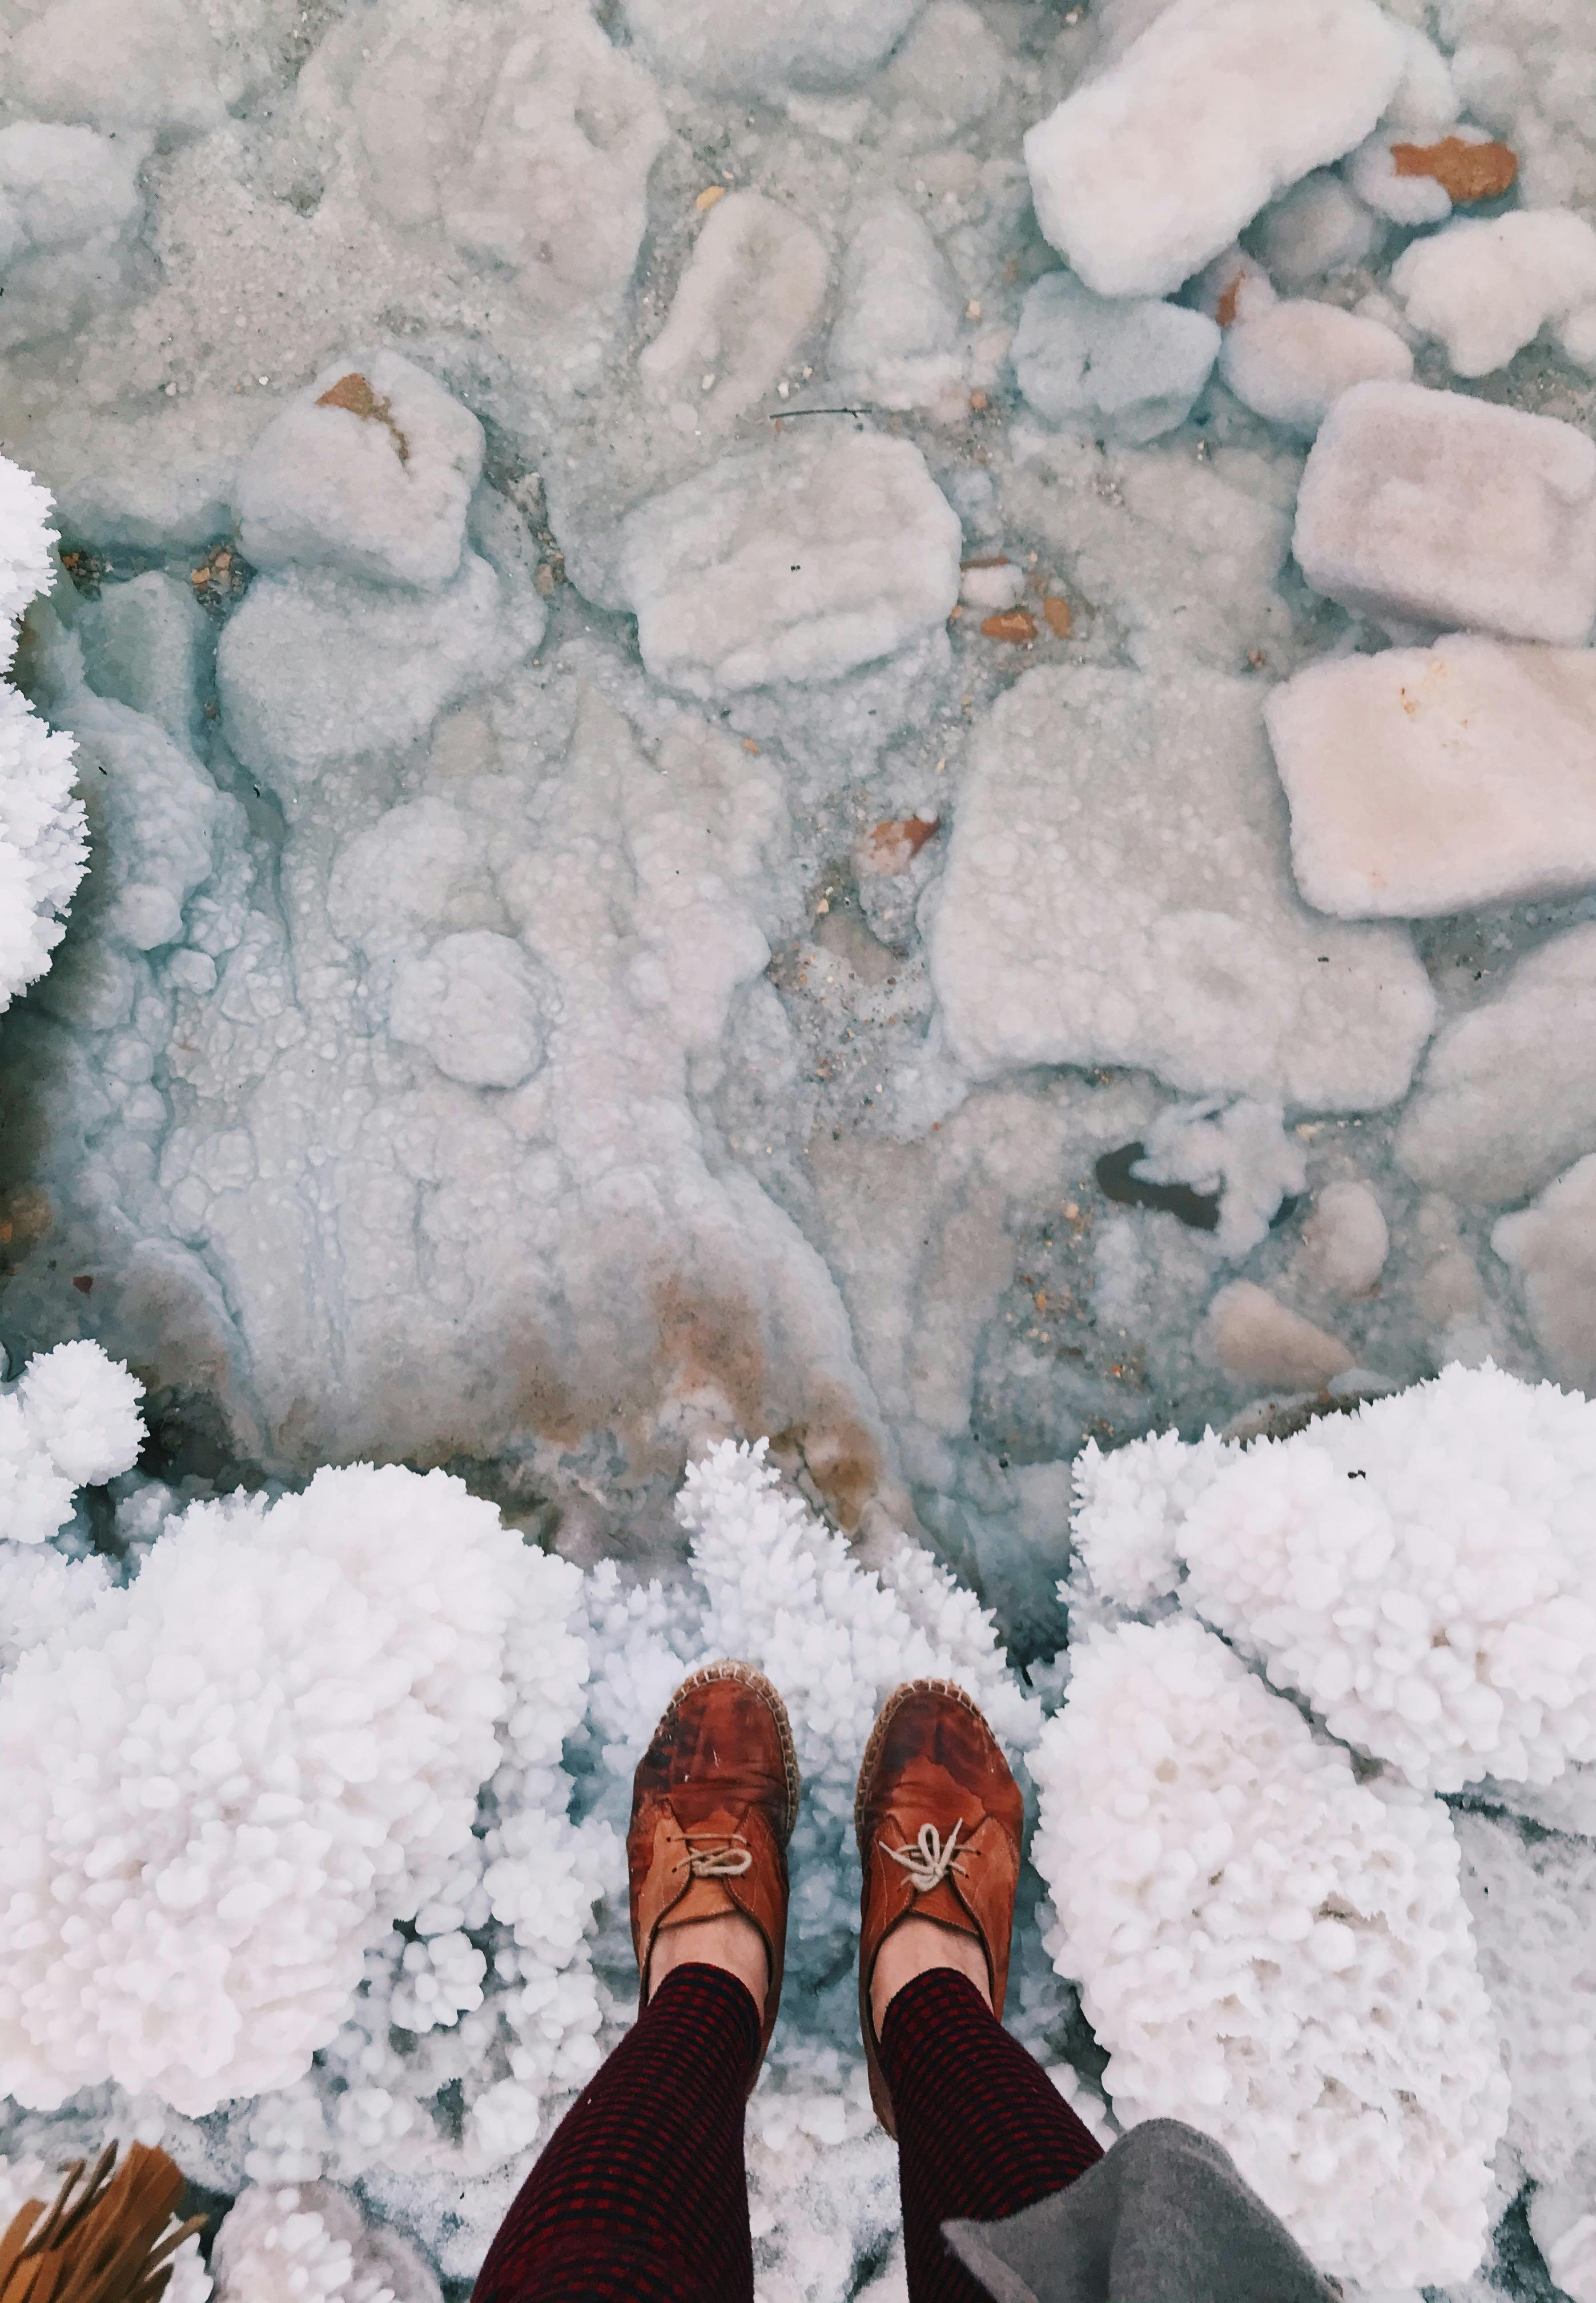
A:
[866,729]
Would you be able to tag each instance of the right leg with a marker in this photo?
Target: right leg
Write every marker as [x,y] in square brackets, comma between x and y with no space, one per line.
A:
[981,2129]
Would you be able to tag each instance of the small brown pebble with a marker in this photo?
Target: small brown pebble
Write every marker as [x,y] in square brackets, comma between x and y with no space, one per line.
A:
[1465,171]
[890,847]
[354,392]
[1015,624]
[978,400]
[709,196]
[1058,615]
[1224,312]
[83,1284]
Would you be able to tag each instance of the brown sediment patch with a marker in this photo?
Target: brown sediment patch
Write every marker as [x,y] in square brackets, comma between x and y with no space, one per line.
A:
[354,392]
[841,1458]
[26,1217]
[1465,171]
[889,848]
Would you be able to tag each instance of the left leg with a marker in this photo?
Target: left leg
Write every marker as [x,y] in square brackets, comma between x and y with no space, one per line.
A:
[639,2193]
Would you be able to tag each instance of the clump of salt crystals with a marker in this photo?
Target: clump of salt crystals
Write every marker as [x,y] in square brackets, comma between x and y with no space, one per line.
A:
[1273,1952]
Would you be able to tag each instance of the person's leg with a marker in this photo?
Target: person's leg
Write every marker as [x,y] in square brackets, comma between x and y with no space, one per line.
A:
[981,2129]
[641,2192]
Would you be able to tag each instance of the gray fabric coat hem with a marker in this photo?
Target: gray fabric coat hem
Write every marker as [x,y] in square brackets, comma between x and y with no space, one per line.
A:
[1163,2217]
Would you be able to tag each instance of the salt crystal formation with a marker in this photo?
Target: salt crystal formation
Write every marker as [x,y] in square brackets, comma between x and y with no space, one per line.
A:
[1487,288]
[72,1421]
[310,2244]
[1132,370]
[42,852]
[1502,1103]
[1273,1951]
[796,562]
[1417,1570]
[279,1733]
[1292,360]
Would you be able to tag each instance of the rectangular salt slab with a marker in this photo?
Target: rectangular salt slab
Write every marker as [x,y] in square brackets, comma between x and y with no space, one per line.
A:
[1431,512]
[1427,780]
[1145,171]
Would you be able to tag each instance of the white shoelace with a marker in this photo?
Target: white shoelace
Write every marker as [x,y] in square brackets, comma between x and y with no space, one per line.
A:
[724,1855]
[931,1859]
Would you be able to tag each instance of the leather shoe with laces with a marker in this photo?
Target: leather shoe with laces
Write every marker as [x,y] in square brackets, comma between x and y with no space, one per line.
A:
[713,1805]
[939,1820]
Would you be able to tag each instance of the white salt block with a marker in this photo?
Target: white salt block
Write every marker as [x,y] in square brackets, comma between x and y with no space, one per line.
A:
[1508,1094]
[1433,511]
[1427,781]
[1551,1247]
[1257,1339]
[1345,1241]
[1317,229]
[1291,362]
[1116,893]
[1487,286]
[369,469]
[1144,173]
[1123,371]
[798,560]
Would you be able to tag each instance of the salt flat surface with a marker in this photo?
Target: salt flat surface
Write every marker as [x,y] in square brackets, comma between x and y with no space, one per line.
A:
[870,725]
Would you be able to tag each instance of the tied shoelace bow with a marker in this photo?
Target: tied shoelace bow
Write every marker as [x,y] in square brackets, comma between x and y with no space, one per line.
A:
[931,1858]
[716,1854]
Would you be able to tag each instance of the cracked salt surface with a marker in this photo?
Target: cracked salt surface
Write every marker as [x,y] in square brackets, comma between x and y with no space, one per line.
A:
[771,746]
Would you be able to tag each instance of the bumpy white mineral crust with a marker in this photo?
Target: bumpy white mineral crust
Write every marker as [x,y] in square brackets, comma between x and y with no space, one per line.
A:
[42,846]
[1145,171]
[1417,1569]
[1113,896]
[1273,1951]
[277,1734]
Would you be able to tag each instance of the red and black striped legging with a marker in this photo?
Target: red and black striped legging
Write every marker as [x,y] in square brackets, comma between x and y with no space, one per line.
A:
[641,2197]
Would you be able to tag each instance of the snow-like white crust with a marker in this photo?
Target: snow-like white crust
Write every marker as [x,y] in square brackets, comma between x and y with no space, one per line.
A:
[1273,1951]
[1420,1570]
[228,1781]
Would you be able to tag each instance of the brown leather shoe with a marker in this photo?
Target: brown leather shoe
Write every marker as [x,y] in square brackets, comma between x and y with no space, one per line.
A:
[713,1805]
[939,1820]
